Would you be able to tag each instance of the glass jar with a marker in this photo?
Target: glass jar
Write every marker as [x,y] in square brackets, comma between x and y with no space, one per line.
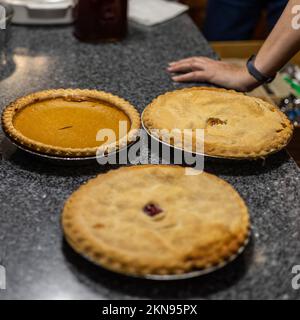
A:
[6,14]
[100,20]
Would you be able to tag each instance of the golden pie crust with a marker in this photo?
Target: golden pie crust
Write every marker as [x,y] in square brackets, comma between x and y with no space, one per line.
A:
[64,122]
[235,125]
[202,220]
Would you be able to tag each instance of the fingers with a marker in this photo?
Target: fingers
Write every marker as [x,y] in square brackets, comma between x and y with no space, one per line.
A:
[195,69]
[185,67]
[191,77]
[190,60]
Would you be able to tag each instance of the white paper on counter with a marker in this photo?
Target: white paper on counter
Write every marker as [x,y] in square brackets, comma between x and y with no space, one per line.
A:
[152,12]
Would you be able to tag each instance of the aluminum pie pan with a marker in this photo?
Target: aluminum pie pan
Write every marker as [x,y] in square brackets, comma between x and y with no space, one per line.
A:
[172,277]
[64,160]
[208,155]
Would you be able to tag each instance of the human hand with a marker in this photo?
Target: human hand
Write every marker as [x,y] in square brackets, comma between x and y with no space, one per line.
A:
[202,69]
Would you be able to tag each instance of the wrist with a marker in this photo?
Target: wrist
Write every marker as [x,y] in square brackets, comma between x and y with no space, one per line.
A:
[248,82]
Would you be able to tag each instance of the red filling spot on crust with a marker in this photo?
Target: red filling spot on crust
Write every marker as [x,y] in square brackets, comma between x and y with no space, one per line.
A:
[152,209]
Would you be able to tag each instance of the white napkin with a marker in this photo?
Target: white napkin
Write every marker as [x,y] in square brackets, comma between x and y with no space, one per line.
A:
[152,12]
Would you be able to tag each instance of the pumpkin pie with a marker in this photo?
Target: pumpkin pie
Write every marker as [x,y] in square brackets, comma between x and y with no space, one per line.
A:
[235,125]
[155,220]
[65,122]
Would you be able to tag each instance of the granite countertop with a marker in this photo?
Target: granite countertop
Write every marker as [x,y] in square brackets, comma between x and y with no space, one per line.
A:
[40,265]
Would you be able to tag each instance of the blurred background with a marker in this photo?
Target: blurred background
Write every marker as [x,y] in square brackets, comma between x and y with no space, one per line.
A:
[199,11]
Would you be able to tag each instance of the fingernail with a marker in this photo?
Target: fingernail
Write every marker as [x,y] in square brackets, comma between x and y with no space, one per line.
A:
[171,63]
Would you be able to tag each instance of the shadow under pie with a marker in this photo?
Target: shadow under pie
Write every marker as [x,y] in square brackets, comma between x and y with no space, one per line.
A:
[217,166]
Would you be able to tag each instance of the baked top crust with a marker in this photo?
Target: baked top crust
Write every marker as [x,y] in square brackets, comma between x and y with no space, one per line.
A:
[235,125]
[65,122]
[154,219]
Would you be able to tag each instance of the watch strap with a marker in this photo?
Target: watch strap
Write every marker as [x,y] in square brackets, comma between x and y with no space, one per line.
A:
[261,78]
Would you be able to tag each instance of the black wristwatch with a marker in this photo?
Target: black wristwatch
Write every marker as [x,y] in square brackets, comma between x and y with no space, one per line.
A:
[261,78]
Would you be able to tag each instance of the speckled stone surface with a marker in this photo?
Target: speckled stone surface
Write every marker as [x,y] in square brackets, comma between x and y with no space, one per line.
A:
[40,265]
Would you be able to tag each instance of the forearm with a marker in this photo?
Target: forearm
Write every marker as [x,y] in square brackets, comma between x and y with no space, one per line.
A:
[281,45]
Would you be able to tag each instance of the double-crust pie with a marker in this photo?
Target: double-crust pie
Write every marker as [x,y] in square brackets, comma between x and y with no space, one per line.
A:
[235,125]
[154,219]
[65,122]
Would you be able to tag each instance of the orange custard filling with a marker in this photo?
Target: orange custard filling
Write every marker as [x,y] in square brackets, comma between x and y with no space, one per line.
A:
[69,124]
